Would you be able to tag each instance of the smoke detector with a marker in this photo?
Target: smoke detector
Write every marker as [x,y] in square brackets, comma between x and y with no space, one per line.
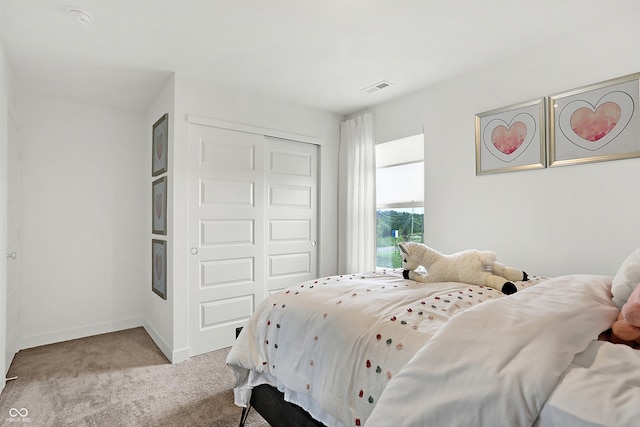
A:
[79,14]
[376,87]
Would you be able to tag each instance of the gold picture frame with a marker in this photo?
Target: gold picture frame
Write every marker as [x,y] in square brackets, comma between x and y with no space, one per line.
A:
[159,206]
[159,267]
[160,146]
[511,138]
[595,123]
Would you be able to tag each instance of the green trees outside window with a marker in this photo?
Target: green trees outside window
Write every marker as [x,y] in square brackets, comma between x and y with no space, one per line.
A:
[394,226]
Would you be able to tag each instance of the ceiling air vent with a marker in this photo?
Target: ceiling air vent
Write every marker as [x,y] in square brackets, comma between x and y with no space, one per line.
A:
[376,87]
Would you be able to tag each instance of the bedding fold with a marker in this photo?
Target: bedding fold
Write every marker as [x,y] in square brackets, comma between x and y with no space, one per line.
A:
[495,364]
[601,388]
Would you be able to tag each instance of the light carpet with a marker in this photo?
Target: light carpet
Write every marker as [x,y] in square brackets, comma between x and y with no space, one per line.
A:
[119,379]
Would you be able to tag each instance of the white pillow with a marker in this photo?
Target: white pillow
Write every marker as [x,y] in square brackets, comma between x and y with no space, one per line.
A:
[626,279]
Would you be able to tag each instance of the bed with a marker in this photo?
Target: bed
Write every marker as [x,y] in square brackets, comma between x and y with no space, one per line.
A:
[375,349]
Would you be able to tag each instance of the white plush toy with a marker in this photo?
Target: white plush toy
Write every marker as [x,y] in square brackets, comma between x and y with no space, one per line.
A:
[471,266]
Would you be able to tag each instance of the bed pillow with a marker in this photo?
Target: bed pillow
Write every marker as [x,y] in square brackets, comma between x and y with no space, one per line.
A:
[626,279]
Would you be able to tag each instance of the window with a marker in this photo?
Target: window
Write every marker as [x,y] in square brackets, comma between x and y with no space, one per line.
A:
[400,197]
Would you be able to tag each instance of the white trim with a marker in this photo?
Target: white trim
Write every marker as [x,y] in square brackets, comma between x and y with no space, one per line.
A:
[174,356]
[402,205]
[206,121]
[157,339]
[81,332]
[180,355]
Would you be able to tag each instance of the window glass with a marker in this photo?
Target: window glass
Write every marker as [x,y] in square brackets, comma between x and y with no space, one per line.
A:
[399,197]
[395,226]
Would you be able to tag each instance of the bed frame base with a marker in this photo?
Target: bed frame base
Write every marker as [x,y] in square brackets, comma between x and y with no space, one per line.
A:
[270,404]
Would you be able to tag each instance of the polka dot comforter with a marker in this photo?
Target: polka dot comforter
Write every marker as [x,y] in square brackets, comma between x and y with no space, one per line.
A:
[375,348]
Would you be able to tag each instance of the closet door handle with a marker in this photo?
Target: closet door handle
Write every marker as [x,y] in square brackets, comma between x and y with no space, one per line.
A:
[12,255]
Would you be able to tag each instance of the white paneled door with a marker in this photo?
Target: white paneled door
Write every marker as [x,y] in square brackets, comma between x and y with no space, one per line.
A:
[291,213]
[252,226]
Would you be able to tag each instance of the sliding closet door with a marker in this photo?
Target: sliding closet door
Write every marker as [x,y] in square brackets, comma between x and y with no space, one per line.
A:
[226,230]
[292,177]
[251,228]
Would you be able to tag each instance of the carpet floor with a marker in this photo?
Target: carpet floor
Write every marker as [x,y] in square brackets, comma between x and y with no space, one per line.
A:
[119,379]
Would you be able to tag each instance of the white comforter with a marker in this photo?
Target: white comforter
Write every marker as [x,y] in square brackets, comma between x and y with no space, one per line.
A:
[496,364]
[381,350]
[601,387]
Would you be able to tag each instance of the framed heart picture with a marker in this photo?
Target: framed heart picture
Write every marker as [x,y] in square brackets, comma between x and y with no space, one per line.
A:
[159,267]
[160,137]
[595,123]
[511,138]
[159,206]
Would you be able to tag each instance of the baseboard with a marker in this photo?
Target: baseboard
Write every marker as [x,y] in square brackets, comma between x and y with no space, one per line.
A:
[174,356]
[162,345]
[9,355]
[80,332]
[181,355]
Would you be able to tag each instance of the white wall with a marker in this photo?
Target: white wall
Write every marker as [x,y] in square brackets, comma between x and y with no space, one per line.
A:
[573,219]
[85,248]
[159,313]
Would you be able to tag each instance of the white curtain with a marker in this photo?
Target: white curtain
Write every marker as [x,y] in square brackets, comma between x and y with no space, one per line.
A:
[357,175]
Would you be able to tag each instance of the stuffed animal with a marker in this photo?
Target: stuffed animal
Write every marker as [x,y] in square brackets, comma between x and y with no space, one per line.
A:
[626,330]
[471,266]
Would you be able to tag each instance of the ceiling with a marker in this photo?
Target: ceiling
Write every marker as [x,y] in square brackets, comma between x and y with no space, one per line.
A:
[316,53]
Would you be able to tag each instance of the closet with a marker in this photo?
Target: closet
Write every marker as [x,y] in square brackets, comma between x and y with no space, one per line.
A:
[253,226]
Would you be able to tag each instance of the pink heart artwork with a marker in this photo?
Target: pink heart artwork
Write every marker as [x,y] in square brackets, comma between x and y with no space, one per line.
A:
[159,144]
[595,125]
[159,266]
[508,140]
[159,205]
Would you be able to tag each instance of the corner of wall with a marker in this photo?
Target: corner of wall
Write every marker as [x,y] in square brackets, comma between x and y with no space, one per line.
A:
[174,356]
[158,312]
